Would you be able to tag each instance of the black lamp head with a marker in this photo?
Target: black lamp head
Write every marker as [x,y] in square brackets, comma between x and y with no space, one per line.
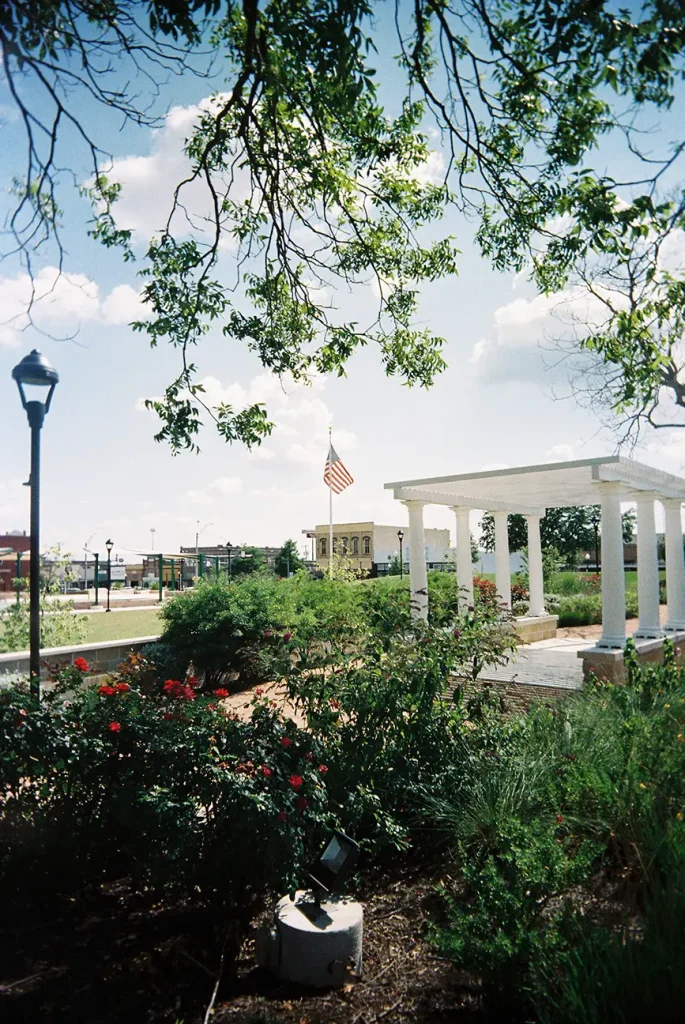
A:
[109,544]
[400,534]
[335,864]
[35,371]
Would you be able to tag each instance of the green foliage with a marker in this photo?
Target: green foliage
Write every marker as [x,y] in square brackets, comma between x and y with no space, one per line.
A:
[538,805]
[309,179]
[229,626]
[288,560]
[517,529]
[59,626]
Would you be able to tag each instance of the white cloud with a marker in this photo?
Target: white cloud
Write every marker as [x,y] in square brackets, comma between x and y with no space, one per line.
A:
[227,485]
[560,453]
[260,453]
[198,498]
[62,304]
[14,499]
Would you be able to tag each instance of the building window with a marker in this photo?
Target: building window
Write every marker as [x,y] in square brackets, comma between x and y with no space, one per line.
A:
[344,545]
[367,545]
[355,545]
[323,545]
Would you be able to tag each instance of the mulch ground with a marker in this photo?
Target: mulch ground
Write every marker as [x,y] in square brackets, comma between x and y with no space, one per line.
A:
[122,959]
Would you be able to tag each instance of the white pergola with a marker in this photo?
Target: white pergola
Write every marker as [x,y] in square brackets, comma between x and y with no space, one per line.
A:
[529,491]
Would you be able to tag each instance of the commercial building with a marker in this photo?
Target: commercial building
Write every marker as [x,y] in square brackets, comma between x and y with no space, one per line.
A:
[371,548]
[14,558]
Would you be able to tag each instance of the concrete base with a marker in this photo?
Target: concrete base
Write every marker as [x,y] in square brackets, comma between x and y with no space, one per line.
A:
[530,628]
[310,945]
[609,664]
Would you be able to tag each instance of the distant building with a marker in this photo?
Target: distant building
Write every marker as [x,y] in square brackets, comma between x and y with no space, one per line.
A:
[371,547]
[220,551]
[14,557]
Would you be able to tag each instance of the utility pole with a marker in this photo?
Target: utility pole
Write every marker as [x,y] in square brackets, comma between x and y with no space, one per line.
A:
[152,538]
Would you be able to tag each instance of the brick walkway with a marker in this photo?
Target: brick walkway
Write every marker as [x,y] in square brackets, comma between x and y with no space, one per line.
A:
[543,663]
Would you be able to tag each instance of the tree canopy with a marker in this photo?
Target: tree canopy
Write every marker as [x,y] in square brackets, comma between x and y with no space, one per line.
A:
[569,530]
[288,559]
[313,178]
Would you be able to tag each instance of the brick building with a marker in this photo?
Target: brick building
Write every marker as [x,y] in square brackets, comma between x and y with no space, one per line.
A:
[14,558]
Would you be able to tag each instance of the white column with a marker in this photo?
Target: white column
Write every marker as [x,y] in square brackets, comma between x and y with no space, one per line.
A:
[502,569]
[647,569]
[535,579]
[418,577]
[613,576]
[464,566]
[675,568]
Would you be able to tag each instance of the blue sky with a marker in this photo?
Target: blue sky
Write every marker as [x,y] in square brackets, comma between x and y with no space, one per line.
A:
[105,475]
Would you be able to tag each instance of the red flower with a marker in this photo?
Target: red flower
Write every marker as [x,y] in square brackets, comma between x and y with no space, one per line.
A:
[267,633]
[295,781]
[322,769]
[560,818]
[301,803]
[259,691]
[114,727]
[221,693]
[106,691]
[457,634]
[81,664]
[286,741]
[287,636]
[266,772]
[168,717]
[282,816]
[309,756]
[193,681]
[122,687]
[172,688]
[335,704]
[211,707]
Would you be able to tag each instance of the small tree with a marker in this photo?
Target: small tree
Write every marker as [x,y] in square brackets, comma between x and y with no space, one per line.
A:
[59,626]
[395,566]
[288,560]
[248,560]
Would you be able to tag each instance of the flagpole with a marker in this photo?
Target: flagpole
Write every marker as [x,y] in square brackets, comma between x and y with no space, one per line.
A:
[330,505]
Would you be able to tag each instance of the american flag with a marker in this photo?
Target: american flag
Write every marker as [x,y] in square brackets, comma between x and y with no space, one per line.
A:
[335,475]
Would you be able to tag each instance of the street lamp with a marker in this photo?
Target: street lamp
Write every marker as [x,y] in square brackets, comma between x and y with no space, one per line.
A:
[197,539]
[229,548]
[400,537]
[34,371]
[109,544]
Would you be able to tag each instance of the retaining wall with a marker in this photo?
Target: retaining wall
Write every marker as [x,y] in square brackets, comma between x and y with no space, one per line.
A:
[102,657]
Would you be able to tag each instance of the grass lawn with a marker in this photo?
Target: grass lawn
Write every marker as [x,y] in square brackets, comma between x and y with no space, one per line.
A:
[122,625]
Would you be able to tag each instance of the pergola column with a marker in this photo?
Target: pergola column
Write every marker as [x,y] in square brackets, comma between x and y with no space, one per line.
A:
[613,575]
[464,567]
[502,569]
[675,566]
[418,577]
[535,578]
[647,569]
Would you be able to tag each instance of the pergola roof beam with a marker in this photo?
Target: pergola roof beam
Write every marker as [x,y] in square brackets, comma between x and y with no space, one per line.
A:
[487,504]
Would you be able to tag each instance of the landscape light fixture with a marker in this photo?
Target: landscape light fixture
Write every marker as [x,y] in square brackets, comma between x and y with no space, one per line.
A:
[400,537]
[109,544]
[334,865]
[35,373]
[229,548]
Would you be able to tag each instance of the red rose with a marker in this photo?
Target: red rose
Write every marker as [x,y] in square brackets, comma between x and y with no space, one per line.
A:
[295,781]
[335,704]
[457,634]
[282,816]
[122,687]
[560,818]
[287,636]
[193,681]
[114,727]
[168,717]
[221,693]
[106,691]
[81,664]
[266,772]
[301,803]
[309,756]
[322,769]
[211,707]
[286,741]
[259,691]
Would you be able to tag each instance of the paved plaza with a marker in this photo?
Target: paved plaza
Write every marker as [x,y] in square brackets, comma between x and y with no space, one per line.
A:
[543,663]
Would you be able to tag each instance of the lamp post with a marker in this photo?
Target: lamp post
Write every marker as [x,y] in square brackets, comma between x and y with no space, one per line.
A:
[229,548]
[152,538]
[35,371]
[109,545]
[197,544]
[400,537]
[85,563]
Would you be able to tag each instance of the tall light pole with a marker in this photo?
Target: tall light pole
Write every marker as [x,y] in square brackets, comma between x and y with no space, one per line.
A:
[229,548]
[197,539]
[109,545]
[400,537]
[34,371]
[152,538]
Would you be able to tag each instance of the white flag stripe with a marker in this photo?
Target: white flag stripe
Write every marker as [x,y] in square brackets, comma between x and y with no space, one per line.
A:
[335,475]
